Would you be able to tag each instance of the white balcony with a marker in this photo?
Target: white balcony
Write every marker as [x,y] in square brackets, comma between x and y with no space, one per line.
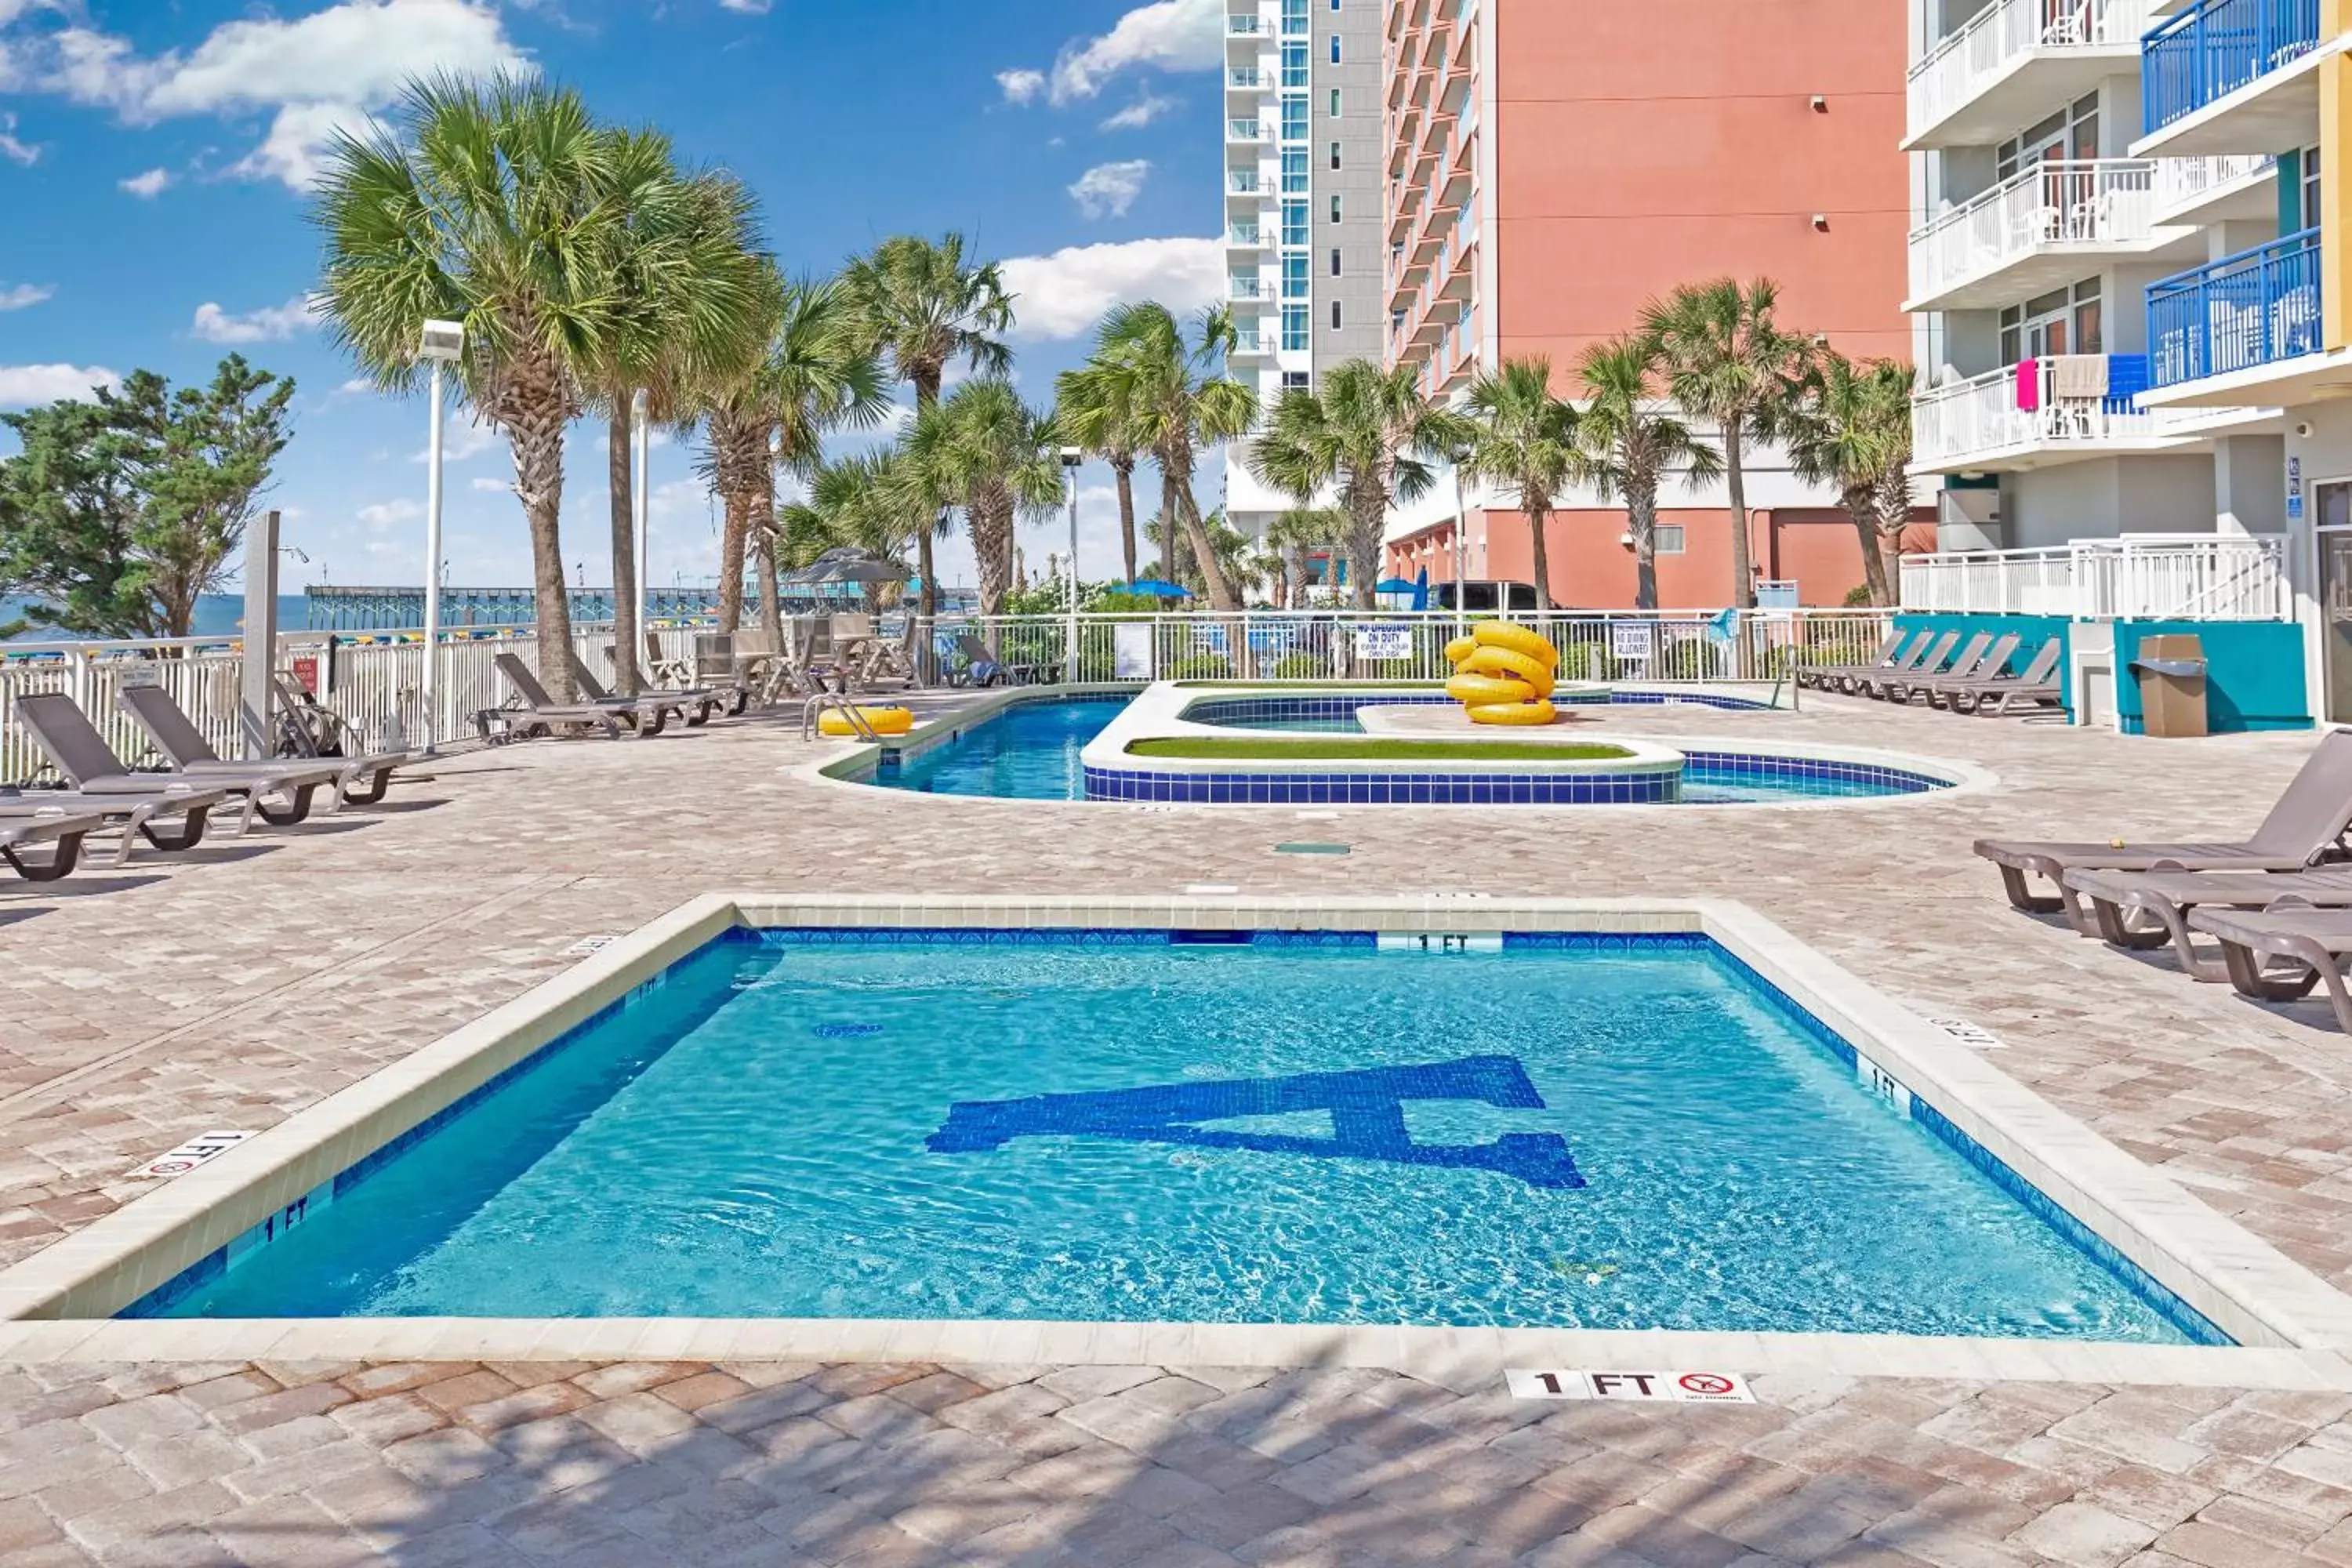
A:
[1248,28]
[1248,291]
[2015,60]
[2220,189]
[2138,577]
[2038,228]
[1244,131]
[1976,425]
[1247,236]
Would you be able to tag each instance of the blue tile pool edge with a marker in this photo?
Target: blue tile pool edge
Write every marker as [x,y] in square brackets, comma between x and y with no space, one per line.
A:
[1871,1078]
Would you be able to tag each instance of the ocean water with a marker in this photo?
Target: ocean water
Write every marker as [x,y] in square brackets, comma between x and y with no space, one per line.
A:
[1142,1131]
[217,615]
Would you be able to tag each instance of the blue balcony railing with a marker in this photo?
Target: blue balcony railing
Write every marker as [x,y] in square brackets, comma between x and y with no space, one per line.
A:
[2204,54]
[2255,308]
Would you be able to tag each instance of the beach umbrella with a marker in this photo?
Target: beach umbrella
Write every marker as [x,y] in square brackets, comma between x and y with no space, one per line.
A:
[1421,589]
[849,565]
[1159,590]
[1392,585]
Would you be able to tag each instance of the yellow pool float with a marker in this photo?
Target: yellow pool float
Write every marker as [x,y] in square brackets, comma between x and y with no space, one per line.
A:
[881,721]
[1460,649]
[1539,712]
[1471,690]
[1510,664]
[1517,638]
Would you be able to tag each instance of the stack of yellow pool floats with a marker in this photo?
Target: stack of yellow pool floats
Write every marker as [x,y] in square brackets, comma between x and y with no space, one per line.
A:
[1502,674]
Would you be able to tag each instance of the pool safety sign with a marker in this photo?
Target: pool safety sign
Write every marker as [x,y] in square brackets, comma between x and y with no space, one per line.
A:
[189,1156]
[1700,1387]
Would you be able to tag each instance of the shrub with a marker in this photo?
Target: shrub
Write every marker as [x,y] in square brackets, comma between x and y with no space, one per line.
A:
[1297,666]
[1858,596]
[1199,666]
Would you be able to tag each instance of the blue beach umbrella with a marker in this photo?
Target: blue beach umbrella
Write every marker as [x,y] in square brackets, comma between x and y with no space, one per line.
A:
[1392,585]
[1159,590]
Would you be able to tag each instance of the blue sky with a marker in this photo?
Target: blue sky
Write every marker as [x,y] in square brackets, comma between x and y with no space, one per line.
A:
[154,155]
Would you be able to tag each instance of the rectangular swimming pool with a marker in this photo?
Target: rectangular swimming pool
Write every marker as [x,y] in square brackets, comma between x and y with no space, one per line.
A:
[1137,1125]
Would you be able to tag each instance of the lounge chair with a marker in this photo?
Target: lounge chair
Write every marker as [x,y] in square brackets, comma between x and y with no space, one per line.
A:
[2039,685]
[62,832]
[80,753]
[2145,909]
[1873,683]
[135,815]
[675,677]
[1846,677]
[979,666]
[694,708]
[2307,821]
[309,728]
[1977,661]
[1819,674]
[357,781]
[2311,940]
[541,713]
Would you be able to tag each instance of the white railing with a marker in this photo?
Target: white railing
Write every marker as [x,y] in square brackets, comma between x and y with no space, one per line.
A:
[2146,576]
[1963,65]
[1979,416]
[2184,182]
[2063,202]
[375,682]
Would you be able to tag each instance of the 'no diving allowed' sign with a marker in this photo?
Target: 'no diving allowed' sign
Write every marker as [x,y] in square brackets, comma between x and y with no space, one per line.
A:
[1654,1387]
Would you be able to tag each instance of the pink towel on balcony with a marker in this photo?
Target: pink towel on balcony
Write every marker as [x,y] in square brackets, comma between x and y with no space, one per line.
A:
[2029,385]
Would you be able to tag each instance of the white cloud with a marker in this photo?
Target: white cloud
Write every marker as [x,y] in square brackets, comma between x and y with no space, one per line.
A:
[354,386]
[23,152]
[384,516]
[17,297]
[1064,294]
[1021,85]
[1108,190]
[746,7]
[24,385]
[317,72]
[271,324]
[147,186]
[1173,34]
[461,438]
[494,487]
[1140,113]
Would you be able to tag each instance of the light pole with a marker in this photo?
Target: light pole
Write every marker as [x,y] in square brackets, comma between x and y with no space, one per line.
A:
[1071,457]
[1461,549]
[444,344]
[643,439]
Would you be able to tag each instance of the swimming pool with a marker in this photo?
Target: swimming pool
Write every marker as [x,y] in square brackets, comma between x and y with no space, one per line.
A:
[1134,1125]
[1031,751]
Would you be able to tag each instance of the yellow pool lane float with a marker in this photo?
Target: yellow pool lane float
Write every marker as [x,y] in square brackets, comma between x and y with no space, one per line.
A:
[881,721]
[1518,639]
[1539,712]
[1509,664]
[1486,691]
[1460,649]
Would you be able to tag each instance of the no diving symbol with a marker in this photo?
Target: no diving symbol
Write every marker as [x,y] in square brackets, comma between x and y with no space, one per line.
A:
[1714,1384]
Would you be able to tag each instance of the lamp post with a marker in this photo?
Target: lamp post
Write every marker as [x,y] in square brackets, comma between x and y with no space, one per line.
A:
[642,439]
[1460,548]
[1071,457]
[444,344]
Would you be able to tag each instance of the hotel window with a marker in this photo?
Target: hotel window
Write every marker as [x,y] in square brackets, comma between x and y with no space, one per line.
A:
[1293,277]
[1293,18]
[1294,381]
[1334,261]
[2072,133]
[1335,48]
[1396,321]
[1335,154]
[2063,322]
[1294,117]
[1294,328]
[1668,537]
[1294,65]
[1335,206]
[2309,211]
[1335,315]
[1293,222]
[1335,103]
[1294,175]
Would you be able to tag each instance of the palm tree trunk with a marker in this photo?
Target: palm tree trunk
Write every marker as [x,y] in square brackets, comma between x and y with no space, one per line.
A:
[926,379]
[1734,483]
[734,532]
[1866,527]
[625,552]
[1641,516]
[1294,587]
[1364,520]
[1893,495]
[537,439]
[992,533]
[1539,555]
[763,558]
[1122,467]
[1178,499]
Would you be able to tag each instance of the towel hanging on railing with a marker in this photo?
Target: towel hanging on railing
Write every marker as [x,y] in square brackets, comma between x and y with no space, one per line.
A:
[2078,375]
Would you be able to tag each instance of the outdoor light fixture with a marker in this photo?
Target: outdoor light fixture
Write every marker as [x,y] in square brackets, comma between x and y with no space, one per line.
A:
[1822,223]
[1820,103]
[443,343]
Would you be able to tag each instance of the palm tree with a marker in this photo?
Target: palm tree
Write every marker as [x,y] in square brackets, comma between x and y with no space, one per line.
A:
[868,504]
[689,286]
[1086,405]
[1292,534]
[985,453]
[1727,360]
[490,203]
[815,373]
[1523,439]
[1850,428]
[1626,443]
[1370,432]
[922,305]
[1172,398]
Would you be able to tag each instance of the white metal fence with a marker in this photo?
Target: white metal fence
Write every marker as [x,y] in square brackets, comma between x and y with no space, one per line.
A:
[378,677]
[2201,576]
[1988,46]
[2065,205]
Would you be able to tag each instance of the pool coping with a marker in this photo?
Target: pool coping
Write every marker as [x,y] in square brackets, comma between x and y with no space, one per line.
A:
[847,771]
[2292,1326]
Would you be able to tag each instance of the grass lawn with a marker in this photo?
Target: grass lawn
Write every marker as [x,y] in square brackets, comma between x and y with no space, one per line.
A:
[1368,749]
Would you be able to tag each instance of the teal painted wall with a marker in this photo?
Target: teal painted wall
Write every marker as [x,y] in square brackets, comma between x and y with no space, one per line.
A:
[2254,674]
[2031,631]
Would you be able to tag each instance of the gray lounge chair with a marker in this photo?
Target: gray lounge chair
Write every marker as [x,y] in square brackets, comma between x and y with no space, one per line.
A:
[135,815]
[2307,821]
[63,833]
[1873,683]
[541,712]
[2038,685]
[1982,655]
[693,708]
[1821,674]
[2311,942]
[358,780]
[2145,909]
[80,753]
[1849,678]
[674,678]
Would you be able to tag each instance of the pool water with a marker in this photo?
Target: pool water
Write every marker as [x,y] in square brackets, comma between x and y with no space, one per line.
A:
[1601,1132]
[1030,752]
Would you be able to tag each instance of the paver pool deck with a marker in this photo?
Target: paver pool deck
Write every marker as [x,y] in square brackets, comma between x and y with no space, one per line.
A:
[233,988]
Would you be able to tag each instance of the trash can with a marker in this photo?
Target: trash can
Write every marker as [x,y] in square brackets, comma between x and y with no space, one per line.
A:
[2170,669]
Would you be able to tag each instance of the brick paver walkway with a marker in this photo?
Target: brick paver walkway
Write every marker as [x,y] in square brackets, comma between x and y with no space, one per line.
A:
[138,1008]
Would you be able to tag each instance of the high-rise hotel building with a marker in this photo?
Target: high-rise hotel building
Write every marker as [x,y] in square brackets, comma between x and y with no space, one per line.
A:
[1302,201]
